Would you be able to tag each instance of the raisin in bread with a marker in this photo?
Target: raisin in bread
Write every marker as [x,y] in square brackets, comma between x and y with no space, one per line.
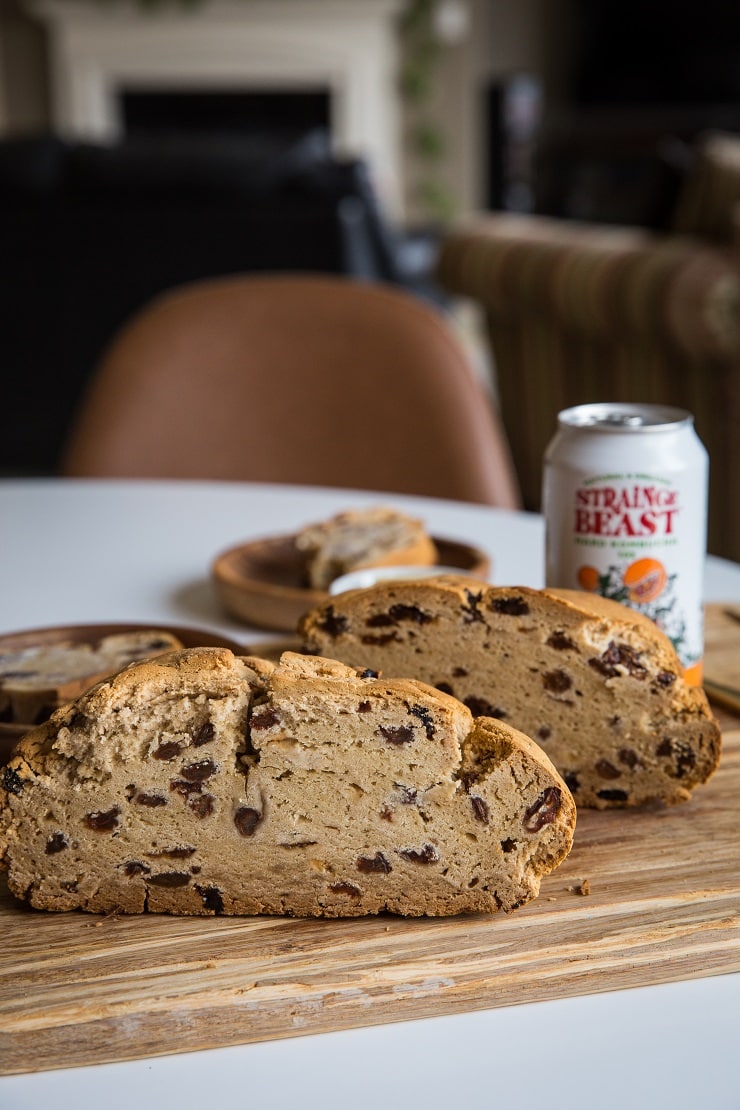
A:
[34,681]
[361,538]
[202,783]
[597,685]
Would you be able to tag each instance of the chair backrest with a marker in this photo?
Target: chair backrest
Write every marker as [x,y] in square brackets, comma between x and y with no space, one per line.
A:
[91,232]
[300,379]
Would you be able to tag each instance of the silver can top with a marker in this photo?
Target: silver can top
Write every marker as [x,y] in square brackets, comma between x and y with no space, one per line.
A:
[615,416]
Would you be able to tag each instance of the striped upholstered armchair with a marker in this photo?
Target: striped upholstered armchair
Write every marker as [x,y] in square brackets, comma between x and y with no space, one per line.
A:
[581,312]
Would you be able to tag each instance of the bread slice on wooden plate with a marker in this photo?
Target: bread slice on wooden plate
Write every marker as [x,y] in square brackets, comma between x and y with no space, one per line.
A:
[596,684]
[202,783]
[359,538]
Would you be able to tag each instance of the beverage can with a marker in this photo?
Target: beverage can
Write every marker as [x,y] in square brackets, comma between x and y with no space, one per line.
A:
[625,506]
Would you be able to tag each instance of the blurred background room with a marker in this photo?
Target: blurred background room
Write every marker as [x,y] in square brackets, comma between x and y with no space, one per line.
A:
[559,179]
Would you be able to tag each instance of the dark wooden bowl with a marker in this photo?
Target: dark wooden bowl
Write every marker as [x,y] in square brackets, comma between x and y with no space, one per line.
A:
[11,731]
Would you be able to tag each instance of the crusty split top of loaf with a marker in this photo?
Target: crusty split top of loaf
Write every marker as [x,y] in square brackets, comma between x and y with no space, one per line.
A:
[201,783]
[36,680]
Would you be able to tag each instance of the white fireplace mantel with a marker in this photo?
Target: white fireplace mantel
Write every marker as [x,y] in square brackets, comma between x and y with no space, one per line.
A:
[347,47]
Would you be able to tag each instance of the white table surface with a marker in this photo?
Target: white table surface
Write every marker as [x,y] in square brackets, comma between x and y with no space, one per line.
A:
[81,552]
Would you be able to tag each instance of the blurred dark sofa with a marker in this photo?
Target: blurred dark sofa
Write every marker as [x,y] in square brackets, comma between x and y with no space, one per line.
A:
[89,233]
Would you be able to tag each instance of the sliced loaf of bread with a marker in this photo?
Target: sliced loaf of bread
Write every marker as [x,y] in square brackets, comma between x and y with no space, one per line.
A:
[201,783]
[597,685]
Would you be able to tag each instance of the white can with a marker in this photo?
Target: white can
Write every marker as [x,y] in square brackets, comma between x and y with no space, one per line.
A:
[625,505]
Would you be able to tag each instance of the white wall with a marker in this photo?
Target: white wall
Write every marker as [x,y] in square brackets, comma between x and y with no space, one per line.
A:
[24,102]
[505,36]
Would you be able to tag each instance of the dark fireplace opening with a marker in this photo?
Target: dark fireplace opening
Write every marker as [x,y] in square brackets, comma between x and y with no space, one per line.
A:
[275,117]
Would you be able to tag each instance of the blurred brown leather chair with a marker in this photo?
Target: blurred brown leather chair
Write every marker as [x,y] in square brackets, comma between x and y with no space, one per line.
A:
[299,379]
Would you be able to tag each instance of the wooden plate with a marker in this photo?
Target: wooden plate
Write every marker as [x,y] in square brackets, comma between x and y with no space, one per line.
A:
[11,732]
[262,583]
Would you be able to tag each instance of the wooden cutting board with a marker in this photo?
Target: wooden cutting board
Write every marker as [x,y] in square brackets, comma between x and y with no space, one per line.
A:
[644,898]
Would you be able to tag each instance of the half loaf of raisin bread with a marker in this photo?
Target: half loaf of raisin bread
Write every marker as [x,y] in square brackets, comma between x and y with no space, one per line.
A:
[597,685]
[359,538]
[201,783]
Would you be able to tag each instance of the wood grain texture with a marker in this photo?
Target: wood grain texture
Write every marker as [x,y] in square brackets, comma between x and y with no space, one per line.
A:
[722,666]
[664,904]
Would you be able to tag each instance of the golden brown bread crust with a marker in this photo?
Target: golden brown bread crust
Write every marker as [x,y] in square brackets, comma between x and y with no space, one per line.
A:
[200,783]
[597,685]
[594,605]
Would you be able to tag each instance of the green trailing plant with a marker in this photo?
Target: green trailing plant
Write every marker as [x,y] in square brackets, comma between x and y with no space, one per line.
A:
[425,140]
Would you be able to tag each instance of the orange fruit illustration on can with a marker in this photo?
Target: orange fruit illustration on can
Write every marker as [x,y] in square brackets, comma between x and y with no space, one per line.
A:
[588,578]
[694,676]
[645,579]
